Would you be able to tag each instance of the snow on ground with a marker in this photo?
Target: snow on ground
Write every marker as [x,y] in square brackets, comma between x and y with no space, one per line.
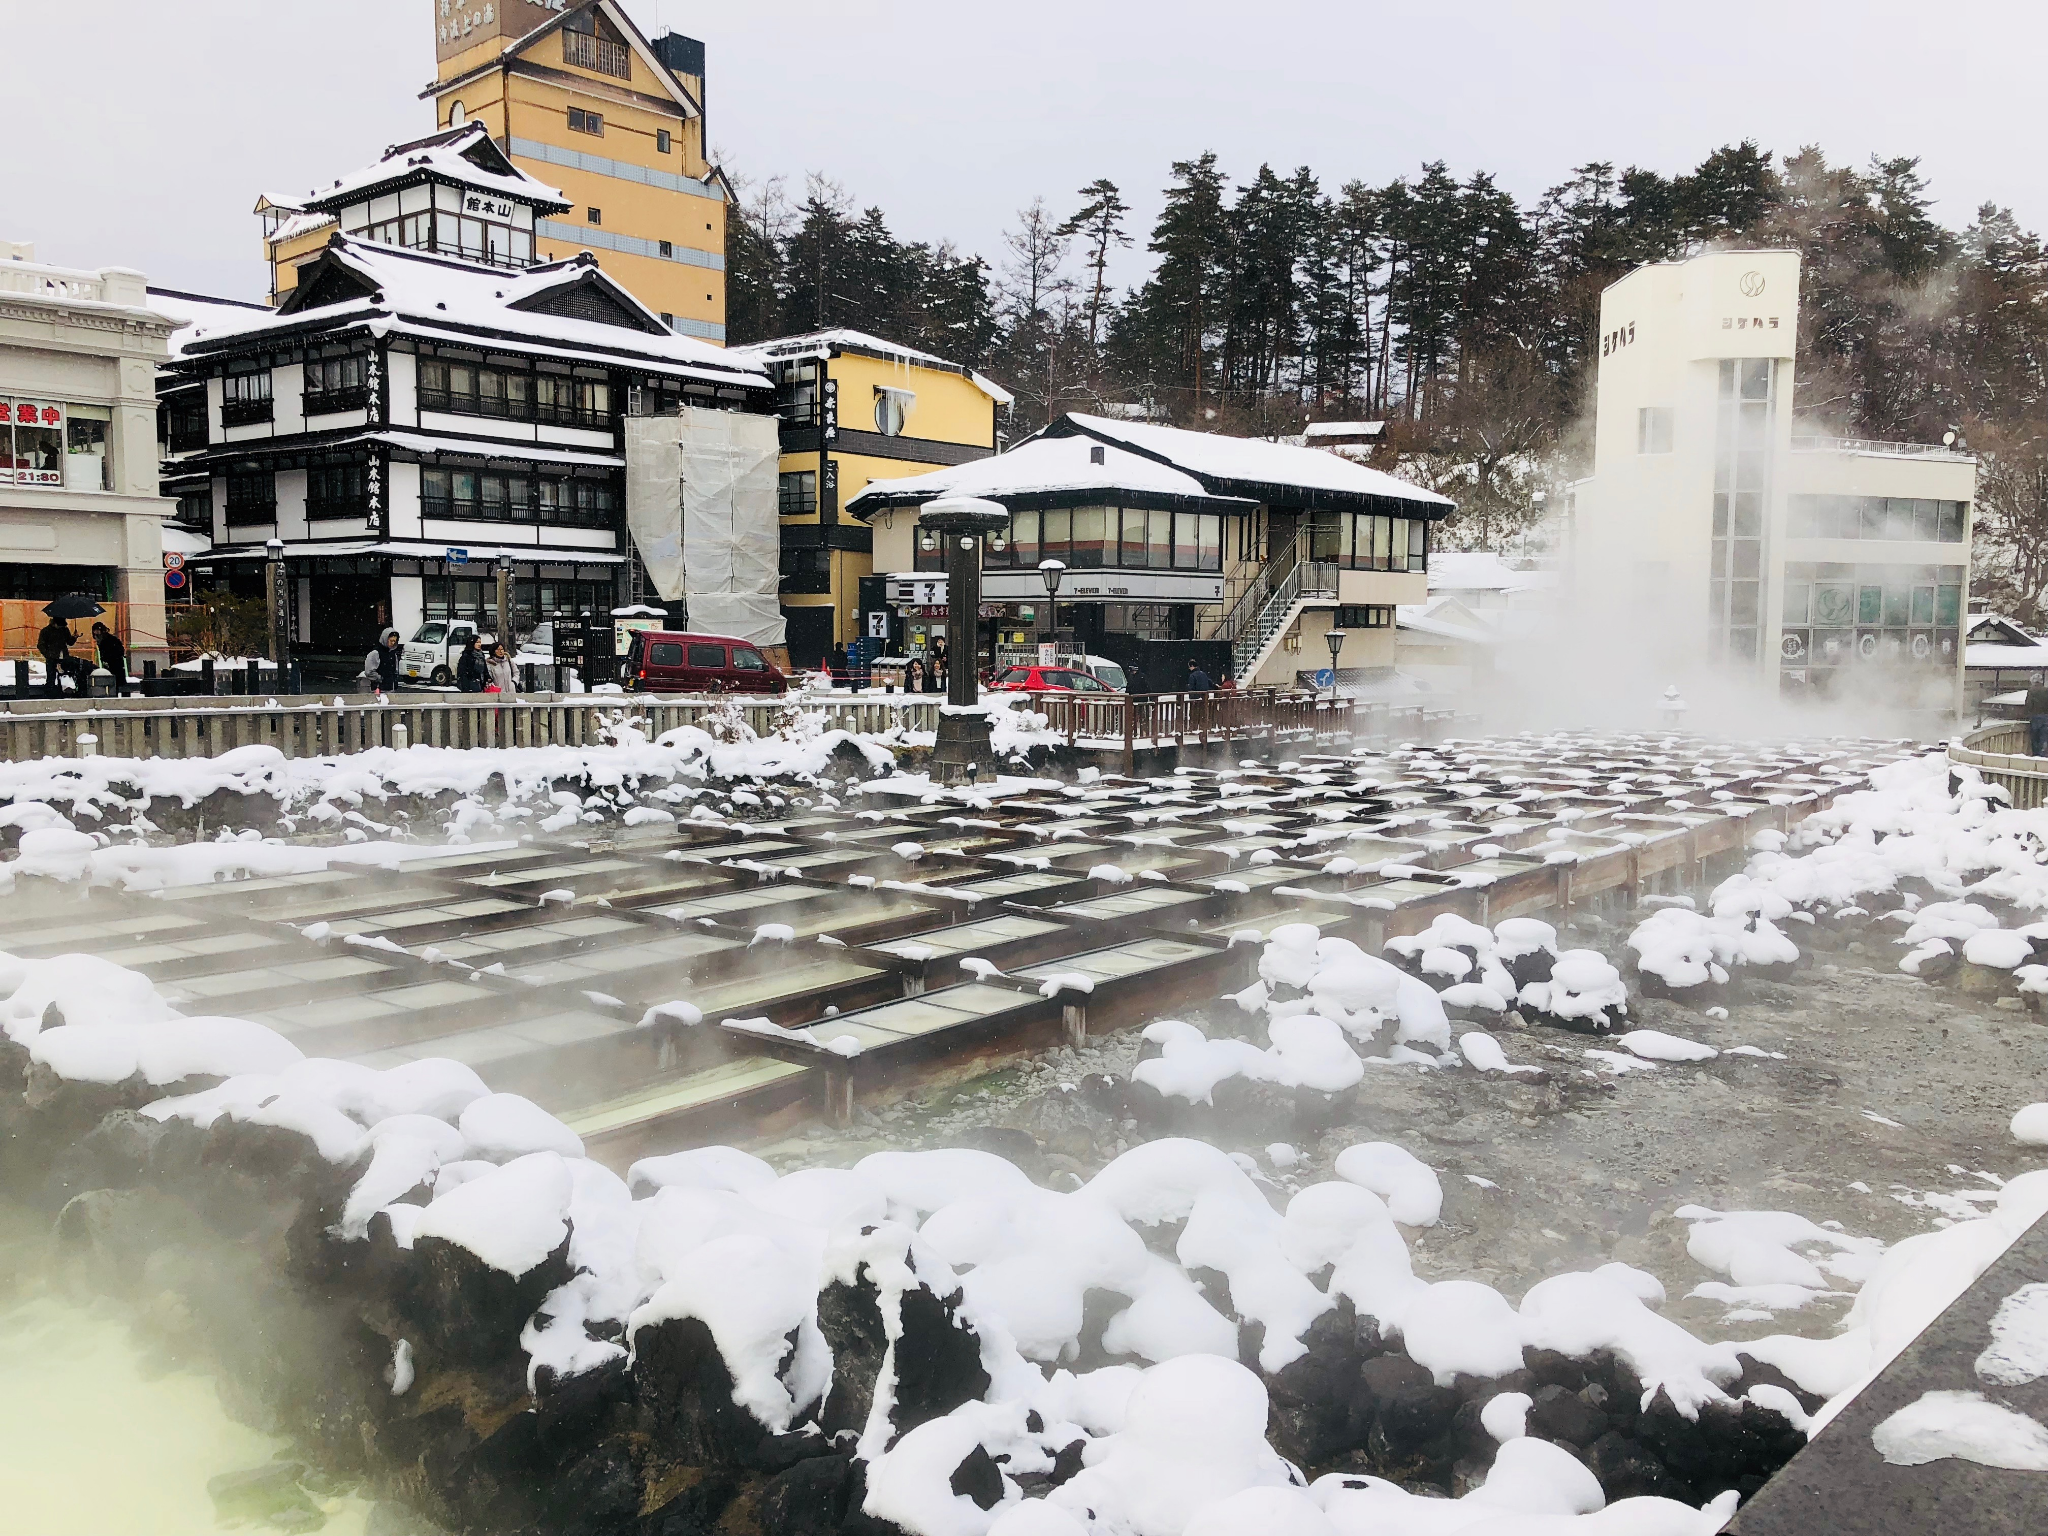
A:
[1176,1437]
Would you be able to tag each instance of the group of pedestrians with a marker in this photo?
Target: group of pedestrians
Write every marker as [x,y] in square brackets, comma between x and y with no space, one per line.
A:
[54,646]
[475,671]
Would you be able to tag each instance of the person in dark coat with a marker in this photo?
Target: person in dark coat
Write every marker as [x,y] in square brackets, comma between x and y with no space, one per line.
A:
[836,664]
[471,671]
[113,655]
[387,662]
[1198,680]
[54,646]
[2037,722]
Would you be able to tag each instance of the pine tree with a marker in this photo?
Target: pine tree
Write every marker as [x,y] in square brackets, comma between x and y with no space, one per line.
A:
[1099,223]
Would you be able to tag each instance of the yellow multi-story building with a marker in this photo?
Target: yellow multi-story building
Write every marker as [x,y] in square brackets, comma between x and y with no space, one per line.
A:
[579,100]
[856,409]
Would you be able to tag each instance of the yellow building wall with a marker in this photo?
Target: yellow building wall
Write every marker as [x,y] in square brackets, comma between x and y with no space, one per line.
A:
[950,408]
[518,107]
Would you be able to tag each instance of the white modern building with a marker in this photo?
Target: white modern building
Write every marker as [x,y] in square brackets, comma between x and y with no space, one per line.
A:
[79,503]
[1716,527]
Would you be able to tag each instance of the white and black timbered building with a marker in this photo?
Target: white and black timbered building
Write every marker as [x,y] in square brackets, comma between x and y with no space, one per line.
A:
[406,415]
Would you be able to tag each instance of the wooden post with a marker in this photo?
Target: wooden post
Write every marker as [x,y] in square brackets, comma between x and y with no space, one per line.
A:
[1074,1024]
[1130,752]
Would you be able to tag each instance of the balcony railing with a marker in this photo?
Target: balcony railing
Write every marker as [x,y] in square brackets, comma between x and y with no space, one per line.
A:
[586,50]
[1872,445]
[244,413]
[325,402]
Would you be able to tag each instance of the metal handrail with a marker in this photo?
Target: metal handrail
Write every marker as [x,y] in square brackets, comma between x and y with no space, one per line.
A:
[1874,445]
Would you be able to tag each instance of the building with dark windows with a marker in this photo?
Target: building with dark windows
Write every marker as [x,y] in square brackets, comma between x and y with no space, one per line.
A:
[1170,535]
[1718,528]
[406,416]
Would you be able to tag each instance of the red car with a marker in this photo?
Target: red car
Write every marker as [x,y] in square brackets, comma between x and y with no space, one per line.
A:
[662,661]
[1037,679]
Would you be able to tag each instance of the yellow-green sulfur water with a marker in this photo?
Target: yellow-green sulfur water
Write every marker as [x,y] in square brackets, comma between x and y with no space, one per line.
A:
[98,1440]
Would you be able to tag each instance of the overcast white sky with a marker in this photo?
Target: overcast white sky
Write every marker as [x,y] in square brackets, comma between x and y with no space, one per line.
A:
[139,132]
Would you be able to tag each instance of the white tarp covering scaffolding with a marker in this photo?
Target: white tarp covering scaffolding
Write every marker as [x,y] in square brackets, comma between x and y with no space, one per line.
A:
[700,503]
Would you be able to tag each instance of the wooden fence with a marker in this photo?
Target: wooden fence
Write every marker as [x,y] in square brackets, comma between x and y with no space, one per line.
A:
[307,726]
[326,725]
[1137,722]
[1999,752]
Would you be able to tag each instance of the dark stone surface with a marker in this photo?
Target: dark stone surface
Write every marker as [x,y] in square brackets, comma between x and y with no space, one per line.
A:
[979,1478]
[1840,1486]
[810,1499]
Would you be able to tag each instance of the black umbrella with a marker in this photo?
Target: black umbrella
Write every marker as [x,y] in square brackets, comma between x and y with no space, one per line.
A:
[74,605]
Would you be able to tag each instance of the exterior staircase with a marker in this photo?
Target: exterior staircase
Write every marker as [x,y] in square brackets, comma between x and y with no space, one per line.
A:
[1267,608]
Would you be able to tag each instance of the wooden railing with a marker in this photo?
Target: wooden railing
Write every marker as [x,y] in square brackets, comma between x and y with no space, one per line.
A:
[304,726]
[1999,752]
[1139,722]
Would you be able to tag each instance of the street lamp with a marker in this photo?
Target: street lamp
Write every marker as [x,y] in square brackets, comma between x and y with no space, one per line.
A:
[1050,572]
[1335,641]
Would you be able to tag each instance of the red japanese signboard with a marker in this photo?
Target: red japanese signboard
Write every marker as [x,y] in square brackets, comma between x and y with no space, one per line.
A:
[31,442]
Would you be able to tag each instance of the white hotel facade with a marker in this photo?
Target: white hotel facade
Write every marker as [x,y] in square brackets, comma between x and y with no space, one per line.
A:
[1716,525]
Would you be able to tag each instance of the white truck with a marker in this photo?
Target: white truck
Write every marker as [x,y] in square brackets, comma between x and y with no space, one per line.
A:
[430,655]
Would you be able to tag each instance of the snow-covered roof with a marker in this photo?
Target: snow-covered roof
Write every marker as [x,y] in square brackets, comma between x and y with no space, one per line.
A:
[1479,571]
[1249,465]
[419,294]
[1321,429]
[183,541]
[465,156]
[1038,466]
[1441,617]
[830,343]
[197,314]
[1991,657]
[303,224]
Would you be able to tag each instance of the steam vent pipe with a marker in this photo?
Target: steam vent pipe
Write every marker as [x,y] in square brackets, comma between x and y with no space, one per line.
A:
[964,524]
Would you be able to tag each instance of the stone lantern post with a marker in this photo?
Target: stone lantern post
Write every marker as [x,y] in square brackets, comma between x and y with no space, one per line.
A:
[963,524]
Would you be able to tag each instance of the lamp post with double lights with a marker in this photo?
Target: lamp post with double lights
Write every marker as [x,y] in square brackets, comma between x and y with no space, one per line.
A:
[963,525]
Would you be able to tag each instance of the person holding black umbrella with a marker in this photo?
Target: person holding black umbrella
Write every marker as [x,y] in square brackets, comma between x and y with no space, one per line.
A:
[54,645]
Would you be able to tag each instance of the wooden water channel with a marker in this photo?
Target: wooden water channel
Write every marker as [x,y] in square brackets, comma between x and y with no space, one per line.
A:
[668,984]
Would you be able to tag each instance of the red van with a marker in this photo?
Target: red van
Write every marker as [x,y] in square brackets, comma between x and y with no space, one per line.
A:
[662,661]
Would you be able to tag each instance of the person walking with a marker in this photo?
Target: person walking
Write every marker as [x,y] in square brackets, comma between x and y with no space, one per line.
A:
[54,646]
[499,674]
[387,662]
[937,671]
[836,664]
[913,676]
[2037,721]
[113,656]
[470,671]
[1198,680]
